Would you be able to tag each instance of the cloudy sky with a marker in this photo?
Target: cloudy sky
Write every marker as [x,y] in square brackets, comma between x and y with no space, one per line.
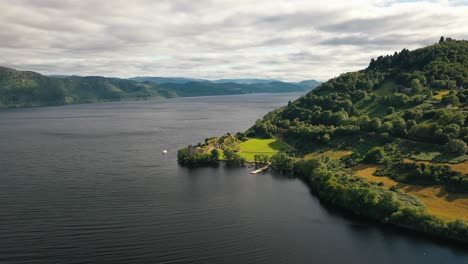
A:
[287,40]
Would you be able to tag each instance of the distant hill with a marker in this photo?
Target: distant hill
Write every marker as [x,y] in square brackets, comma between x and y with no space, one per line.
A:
[161,80]
[26,88]
[306,84]
[309,84]
[198,87]
[210,88]
[245,81]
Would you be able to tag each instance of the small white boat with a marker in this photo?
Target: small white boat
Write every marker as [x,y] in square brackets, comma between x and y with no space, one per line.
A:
[164,151]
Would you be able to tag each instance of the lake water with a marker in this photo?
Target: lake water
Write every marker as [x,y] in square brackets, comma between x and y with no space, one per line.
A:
[89,184]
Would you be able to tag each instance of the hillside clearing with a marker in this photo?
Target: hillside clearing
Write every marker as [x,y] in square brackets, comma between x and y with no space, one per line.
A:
[438,202]
[441,94]
[334,154]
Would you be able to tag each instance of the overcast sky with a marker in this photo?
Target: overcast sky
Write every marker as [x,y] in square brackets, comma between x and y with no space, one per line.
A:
[288,40]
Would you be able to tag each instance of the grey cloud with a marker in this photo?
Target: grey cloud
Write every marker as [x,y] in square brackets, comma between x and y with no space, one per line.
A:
[367,24]
[392,40]
[217,39]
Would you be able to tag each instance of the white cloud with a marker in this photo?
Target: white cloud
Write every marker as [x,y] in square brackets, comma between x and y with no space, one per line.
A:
[289,40]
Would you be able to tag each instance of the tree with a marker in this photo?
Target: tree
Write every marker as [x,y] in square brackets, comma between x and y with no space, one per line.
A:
[215,155]
[233,158]
[240,135]
[363,121]
[281,161]
[441,40]
[451,99]
[416,86]
[261,159]
[399,127]
[456,146]
[388,204]
[375,155]
[375,124]
[326,138]
[398,100]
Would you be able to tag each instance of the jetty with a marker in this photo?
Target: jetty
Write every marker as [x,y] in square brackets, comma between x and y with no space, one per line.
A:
[260,169]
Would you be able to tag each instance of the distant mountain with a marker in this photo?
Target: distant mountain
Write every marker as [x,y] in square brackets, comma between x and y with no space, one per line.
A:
[309,84]
[245,81]
[161,80]
[210,88]
[26,88]
[59,76]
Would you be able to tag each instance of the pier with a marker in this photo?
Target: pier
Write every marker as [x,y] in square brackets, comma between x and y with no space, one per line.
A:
[260,170]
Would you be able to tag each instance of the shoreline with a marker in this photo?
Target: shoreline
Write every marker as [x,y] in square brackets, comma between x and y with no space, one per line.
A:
[399,226]
[314,189]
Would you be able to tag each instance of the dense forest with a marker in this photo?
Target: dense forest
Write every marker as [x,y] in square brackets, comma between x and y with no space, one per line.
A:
[24,88]
[404,115]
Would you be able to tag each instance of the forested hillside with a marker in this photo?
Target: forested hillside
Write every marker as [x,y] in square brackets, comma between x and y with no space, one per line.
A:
[25,88]
[387,142]
[400,123]
[418,96]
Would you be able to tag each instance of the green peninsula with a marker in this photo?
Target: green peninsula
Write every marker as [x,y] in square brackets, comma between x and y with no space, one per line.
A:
[387,143]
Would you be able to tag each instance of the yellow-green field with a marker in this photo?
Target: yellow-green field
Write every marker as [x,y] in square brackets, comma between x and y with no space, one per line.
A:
[334,154]
[441,94]
[366,171]
[438,202]
[255,146]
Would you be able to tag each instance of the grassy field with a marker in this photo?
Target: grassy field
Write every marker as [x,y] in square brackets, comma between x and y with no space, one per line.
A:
[366,171]
[255,146]
[334,154]
[438,202]
[460,167]
[373,107]
[441,94]
[386,88]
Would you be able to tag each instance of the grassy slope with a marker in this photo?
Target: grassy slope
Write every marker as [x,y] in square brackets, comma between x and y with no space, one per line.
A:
[445,205]
[255,146]
[438,201]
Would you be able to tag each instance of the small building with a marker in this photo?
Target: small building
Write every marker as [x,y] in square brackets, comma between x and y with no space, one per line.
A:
[448,106]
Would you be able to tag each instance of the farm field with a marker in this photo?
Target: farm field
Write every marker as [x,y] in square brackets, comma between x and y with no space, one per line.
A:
[438,202]
[255,146]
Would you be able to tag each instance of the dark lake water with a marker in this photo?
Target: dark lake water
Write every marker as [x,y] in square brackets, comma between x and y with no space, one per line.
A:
[88,184]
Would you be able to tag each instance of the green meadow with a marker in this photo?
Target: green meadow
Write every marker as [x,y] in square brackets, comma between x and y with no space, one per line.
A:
[255,146]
